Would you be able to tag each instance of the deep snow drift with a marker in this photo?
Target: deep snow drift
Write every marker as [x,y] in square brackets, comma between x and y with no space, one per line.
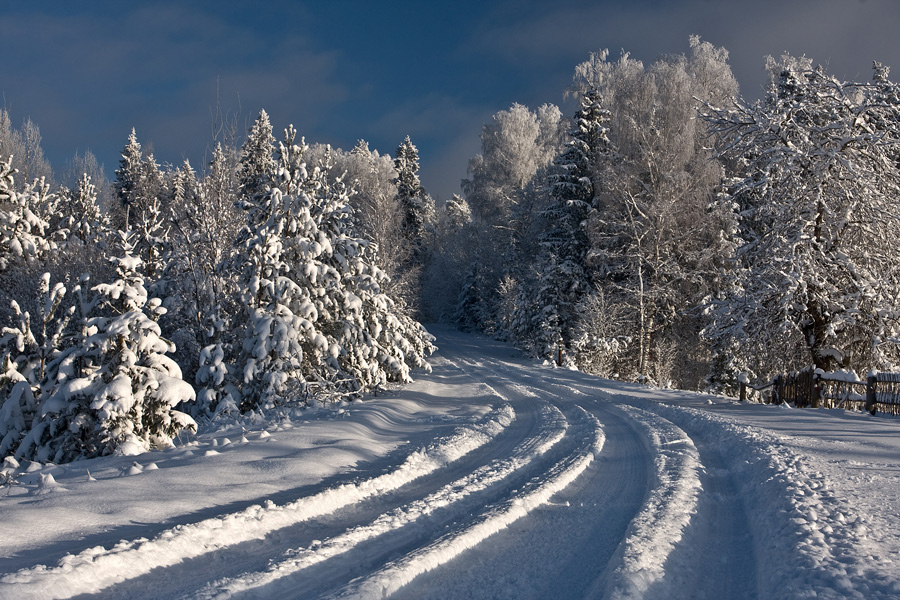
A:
[492,477]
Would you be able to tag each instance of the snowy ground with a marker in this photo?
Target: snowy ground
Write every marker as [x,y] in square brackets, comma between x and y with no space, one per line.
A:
[493,477]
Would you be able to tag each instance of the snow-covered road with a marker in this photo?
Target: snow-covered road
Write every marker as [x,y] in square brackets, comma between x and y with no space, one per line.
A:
[492,477]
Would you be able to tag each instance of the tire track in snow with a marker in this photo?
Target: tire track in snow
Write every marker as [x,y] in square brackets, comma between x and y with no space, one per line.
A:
[497,517]
[98,568]
[667,486]
[552,431]
[667,511]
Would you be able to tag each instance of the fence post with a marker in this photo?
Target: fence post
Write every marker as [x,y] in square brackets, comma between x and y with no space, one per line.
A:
[815,398]
[871,398]
[775,396]
[742,381]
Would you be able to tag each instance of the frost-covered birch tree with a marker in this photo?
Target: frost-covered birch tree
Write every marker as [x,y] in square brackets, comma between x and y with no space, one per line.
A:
[655,243]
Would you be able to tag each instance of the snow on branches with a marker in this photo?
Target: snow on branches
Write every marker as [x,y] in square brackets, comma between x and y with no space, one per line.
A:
[814,186]
[312,296]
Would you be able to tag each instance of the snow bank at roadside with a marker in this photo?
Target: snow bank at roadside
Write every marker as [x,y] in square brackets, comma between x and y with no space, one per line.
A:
[810,542]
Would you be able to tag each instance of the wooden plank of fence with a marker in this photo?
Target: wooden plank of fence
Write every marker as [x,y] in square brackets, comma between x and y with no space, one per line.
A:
[887,392]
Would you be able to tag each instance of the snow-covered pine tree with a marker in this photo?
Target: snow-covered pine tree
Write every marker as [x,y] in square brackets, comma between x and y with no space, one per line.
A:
[257,161]
[311,299]
[201,290]
[81,217]
[151,224]
[458,212]
[814,188]
[23,232]
[28,349]
[378,342]
[17,405]
[416,205]
[280,313]
[564,245]
[372,183]
[123,393]
[128,175]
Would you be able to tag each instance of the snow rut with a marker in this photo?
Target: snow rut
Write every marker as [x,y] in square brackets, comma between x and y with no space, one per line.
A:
[660,525]
[98,568]
[672,498]
[494,518]
[552,430]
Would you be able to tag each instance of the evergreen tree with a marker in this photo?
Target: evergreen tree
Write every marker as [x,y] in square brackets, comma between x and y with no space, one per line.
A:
[81,216]
[564,245]
[116,390]
[29,349]
[17,405]
[129,176]
[23,231]
[314,310]
[416,205]
[202,288]
[257,158]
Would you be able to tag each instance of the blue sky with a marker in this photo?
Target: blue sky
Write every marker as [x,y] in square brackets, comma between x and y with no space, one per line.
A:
[87,72]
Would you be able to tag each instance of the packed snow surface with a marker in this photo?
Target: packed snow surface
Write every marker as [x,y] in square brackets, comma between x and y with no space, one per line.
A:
[491,477]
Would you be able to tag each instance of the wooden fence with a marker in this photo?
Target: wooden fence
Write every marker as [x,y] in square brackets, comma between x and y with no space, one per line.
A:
[813,388]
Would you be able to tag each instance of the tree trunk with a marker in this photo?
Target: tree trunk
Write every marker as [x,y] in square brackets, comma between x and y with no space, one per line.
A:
[815,333]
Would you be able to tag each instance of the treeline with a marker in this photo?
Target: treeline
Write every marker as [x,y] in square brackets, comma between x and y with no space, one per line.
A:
[673,233]
[668,232]
[284,273]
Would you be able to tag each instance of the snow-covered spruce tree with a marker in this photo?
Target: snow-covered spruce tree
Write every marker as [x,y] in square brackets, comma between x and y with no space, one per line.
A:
[307,286]
[151,224]
[416,204]
[28,350]
[372,186]
[378,341]
[564,245]
[81,217]
[17,405]
[128,176]
[201,291]
[449,250]
[281,341]
[116,390]
[814,185]
[23,231]
[257,161]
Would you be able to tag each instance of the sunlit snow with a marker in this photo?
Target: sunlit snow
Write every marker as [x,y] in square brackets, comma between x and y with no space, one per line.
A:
[491,477]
